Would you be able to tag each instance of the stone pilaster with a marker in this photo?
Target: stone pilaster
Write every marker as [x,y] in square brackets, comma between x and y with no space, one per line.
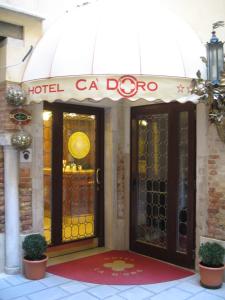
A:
[11,193]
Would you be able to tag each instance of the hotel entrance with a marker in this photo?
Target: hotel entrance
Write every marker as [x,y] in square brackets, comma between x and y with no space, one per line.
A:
[73,174]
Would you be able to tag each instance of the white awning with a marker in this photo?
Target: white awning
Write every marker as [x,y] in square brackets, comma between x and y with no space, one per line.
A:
[115,49]
[112,87]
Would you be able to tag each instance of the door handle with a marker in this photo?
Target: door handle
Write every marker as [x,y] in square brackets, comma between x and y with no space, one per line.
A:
[97,176]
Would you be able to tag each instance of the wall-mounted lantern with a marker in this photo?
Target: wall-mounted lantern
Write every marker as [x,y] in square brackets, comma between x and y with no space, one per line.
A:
[21,140]
[215,59]
[15,96]
[213,89]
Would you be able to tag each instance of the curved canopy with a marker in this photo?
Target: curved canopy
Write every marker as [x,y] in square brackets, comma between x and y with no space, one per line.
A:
[111,38]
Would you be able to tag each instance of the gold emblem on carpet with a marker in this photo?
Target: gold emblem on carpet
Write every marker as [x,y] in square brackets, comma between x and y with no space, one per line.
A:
[118,265]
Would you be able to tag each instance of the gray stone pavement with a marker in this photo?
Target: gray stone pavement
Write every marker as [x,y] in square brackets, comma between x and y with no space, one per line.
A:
[55,287]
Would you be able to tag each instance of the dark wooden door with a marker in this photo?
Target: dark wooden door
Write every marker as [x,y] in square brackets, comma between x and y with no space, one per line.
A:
[73,173]
[163,182]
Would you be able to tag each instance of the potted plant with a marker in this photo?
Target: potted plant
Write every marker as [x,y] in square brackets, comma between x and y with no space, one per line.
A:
[211,266]
[34,246]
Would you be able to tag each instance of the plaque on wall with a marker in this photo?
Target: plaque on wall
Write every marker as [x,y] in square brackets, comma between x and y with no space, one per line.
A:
[20,116]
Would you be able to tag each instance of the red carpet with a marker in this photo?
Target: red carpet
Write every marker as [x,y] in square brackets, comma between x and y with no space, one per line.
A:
[119,267]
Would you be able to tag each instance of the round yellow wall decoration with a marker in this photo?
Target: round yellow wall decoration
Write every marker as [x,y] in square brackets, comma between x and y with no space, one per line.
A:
[79,144]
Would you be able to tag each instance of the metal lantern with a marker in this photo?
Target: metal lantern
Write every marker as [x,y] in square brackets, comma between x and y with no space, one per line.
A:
[21,140]
[15,96]
[221,129]
[212,91]
[215,59]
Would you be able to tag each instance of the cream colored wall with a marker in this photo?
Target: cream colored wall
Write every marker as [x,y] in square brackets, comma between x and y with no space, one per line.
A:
[50,9]
[25,4]
[199,14]
[16,49]
[3,46]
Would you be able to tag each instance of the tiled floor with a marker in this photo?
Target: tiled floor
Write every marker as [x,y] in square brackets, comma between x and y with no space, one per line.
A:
[54,287]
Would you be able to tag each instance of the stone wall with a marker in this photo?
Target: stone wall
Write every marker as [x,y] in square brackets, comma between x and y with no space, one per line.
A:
[201,174]
[2,207]
[3,108]
[216,186]
[116,180]
[25,182]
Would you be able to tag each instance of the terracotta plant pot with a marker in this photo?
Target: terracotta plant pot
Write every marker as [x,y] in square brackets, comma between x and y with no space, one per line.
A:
[35,269]
[211,278]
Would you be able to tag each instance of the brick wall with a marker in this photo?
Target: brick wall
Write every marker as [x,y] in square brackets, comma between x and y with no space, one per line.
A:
[25,181]
[25,194]
[5,124]
[216,186]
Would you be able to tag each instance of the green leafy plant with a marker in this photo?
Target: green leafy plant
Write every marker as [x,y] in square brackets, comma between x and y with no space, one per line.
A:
[34,246]
[212,254]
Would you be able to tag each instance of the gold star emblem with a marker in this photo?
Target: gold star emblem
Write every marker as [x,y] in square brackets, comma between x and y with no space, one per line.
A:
[118,265]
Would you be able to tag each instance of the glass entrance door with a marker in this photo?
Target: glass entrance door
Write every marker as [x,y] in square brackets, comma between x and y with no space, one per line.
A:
[163,175]
[73,173]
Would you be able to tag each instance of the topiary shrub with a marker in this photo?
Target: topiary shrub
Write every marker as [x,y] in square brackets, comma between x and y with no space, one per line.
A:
[34,246]
[212,254]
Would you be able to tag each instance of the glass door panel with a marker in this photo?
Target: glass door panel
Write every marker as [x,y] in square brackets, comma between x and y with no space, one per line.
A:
[182,211]
[152,180]
[78,176]
[47,157]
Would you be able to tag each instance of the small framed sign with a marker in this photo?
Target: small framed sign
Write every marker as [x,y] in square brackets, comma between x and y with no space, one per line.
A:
[20,116]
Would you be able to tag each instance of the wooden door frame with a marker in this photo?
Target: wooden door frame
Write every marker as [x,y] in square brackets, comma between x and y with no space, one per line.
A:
[56,179]
[172,109]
